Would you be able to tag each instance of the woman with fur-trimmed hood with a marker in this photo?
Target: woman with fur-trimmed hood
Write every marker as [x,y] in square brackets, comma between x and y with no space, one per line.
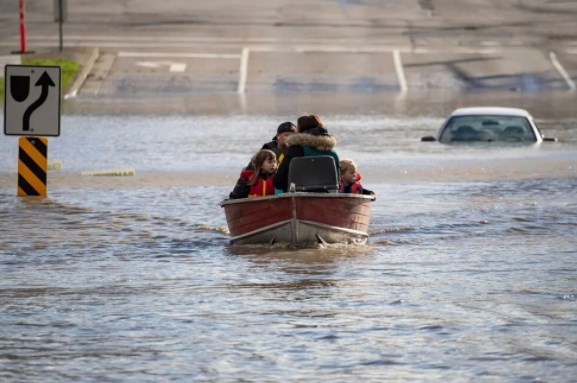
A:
[311,139]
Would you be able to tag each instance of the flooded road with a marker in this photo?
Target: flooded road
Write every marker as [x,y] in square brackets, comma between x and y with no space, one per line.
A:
[470,273]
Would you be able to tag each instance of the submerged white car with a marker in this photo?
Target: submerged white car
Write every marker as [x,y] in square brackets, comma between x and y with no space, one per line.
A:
[489,124]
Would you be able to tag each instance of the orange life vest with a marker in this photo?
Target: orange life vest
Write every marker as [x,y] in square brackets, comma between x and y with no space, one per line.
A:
[262,187]
[355,186]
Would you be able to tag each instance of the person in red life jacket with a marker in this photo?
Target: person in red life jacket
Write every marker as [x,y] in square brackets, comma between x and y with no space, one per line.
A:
[350,179]
[257,182]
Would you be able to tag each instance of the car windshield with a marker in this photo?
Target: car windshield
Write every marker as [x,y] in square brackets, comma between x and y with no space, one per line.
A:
[488,128]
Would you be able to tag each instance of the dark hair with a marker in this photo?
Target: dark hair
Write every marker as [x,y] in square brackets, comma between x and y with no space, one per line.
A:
[309,122]
[286,127]
[257,160]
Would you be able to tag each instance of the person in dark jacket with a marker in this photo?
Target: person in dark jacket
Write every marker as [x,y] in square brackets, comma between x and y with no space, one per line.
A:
[312,139]
[278,142]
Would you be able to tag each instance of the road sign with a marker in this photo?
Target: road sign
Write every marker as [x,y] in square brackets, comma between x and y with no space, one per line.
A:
[32,100]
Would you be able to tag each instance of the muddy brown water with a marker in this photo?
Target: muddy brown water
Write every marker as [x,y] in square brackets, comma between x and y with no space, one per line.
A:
[470,273]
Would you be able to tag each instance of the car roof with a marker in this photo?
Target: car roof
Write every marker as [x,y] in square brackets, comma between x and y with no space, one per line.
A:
[491,110]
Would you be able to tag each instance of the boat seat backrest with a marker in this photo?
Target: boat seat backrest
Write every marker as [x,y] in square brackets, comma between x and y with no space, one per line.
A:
[314,174]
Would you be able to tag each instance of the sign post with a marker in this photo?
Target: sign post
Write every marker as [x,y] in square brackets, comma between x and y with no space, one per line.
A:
[32,108]
[32,166]
[60,16]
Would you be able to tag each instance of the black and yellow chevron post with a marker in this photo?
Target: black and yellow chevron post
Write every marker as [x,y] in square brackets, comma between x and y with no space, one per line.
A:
[32,165]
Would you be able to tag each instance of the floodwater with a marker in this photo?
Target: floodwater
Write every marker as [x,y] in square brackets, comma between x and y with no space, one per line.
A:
[470,274]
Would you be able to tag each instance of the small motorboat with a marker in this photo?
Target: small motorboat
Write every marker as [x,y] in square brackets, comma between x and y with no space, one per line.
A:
[312,211]
[299,219]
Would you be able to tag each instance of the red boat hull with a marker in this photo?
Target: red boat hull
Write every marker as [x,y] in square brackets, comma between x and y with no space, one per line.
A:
[299,219]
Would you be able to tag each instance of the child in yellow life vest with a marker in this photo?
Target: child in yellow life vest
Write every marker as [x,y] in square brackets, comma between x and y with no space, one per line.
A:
[257,182]
[350,179]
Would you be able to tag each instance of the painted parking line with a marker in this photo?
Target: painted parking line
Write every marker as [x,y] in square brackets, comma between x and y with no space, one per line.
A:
[200,39]
[179,55]
[557,65]
[243,71]
[400,71]
[172,66]
[121,44]
[180,67]
[177,67]
[299,45]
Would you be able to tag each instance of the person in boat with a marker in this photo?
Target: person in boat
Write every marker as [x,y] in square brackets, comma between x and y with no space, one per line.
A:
[278,142]
[257,182]
[350,179]
[311,139]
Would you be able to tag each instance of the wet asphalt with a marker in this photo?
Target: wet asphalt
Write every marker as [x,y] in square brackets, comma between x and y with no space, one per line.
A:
[343,55]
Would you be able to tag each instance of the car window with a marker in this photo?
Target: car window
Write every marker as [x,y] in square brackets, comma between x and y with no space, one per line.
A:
[488,128]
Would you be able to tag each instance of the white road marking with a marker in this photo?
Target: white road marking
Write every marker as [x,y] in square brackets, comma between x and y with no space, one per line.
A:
[148,64]
[243,71]
[179,55]
[192,39]
[562,71]
[177,67]
[172,66]
[368,49]
[400,71]
[127,40]
[330,49]
[261,44]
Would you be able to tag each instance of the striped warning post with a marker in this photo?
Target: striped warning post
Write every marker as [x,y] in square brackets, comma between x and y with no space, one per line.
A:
[32,164]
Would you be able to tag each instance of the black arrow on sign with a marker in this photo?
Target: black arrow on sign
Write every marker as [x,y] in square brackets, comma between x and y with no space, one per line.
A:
[44,81]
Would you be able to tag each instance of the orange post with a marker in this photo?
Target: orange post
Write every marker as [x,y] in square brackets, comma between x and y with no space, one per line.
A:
[22,28]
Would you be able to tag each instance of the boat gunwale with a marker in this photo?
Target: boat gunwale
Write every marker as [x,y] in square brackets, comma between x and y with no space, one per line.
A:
[227,202]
